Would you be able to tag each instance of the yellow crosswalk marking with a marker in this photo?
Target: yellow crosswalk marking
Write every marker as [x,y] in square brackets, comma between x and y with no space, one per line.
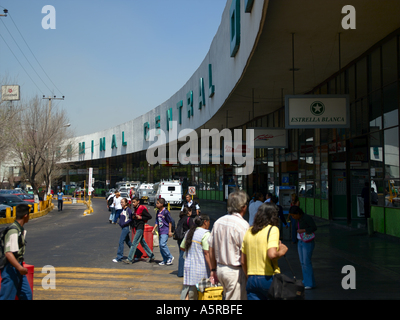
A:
[109,284]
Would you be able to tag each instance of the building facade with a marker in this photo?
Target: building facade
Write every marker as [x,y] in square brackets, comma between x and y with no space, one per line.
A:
[262,52]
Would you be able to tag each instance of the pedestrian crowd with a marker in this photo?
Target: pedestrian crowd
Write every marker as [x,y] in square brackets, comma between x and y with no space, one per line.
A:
[241,256]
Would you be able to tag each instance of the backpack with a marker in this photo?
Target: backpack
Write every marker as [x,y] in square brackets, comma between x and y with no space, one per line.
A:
[3,232]
[173,224]
[110,201]
[179,234]
[139,211]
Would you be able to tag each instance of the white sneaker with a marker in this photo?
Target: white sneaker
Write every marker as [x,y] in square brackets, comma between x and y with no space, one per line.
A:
[162,263]
[115,260]
[169,262]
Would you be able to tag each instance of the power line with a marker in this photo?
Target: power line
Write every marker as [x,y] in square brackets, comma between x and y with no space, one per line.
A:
[34,54]
[24,55]
[6,11]
[20,63]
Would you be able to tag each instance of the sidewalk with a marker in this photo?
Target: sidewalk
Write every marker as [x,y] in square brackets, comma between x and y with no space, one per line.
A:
[376,260]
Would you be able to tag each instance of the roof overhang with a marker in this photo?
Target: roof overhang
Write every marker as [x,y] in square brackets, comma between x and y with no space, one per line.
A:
[316,26]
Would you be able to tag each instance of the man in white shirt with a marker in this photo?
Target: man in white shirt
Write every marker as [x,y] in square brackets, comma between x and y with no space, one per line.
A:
[225,248]
[254,207]
[191,204]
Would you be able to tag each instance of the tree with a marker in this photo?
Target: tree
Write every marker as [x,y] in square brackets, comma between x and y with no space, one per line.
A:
[41,141]
[8,115]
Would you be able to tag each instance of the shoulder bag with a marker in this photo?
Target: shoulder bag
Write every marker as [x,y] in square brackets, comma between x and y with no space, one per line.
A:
[306,237]
[284,287]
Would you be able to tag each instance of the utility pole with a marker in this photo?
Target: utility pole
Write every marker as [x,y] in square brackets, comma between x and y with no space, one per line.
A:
[5,13]
[50,100]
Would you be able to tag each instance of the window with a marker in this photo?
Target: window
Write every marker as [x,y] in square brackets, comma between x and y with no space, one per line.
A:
[171,188]
[362,88]
[376,155]
[390,106]
[375,70]
[389,61]
[353,120]
[351,83]
[392,189]
[375,111]
[392,153]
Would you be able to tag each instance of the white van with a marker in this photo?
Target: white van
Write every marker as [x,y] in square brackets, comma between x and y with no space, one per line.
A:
[127,184]
[143,192]
[171,191]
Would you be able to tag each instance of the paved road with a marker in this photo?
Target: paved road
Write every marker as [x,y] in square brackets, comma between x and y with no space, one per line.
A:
[81,248]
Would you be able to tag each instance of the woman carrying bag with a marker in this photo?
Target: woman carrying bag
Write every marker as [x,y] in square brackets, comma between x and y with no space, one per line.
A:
[197,261]
[260,252]
[306,244]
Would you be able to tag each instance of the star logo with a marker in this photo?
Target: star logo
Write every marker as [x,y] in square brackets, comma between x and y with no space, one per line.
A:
[317,108]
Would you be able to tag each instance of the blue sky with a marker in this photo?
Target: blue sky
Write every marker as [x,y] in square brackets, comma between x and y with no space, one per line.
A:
[112,60]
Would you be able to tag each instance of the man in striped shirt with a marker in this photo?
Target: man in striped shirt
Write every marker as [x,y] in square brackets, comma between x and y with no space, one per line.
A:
[225,248]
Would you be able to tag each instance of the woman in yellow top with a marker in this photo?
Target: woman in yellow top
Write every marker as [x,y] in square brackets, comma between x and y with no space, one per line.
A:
[259,256]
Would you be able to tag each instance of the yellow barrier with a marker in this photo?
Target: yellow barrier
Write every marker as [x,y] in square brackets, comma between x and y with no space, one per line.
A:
[45,208]
[89,207]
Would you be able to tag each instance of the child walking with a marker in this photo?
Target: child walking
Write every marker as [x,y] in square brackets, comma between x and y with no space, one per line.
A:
[164,224]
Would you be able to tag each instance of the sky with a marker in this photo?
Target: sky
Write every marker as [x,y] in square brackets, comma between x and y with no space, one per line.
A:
[112,60]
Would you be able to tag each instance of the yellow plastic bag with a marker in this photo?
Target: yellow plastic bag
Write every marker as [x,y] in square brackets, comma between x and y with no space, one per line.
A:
[211,293]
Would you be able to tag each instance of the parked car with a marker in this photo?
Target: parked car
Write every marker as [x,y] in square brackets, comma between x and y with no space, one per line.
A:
[143,191]
[26,197]
[126,195]
[124,190]
[143,195]
[12,191]
[151,197]
[127,184]
[80,192]
[12,200]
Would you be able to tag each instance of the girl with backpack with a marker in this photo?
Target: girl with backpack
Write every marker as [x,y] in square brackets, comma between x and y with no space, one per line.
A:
[184,224]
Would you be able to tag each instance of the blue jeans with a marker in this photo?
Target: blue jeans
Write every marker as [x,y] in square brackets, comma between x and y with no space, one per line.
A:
[165,253]
[14,284]
[181,264]
[305,250]
[112,215]
[123,238]
[257,287]
[135,242]
[117,214]
[60,205]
